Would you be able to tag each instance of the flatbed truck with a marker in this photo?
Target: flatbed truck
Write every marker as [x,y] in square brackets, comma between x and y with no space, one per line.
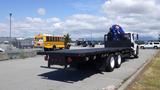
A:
[105,59]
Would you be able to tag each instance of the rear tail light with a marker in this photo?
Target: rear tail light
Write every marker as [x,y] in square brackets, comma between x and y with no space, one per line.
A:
[46,58]
[69,60]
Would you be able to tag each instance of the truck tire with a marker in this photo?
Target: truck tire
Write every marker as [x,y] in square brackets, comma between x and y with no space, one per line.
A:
[137,52]
[54,48]
[49,63]
[118,60]
[110,63]
[45,49]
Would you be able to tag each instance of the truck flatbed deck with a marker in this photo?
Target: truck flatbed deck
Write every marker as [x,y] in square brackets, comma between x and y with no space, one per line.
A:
[82,52]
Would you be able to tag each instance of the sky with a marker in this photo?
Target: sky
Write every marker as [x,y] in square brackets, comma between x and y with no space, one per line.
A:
[79,18]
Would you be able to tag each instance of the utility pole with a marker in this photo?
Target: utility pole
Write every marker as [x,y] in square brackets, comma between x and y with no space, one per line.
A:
[91,36]
[10,14]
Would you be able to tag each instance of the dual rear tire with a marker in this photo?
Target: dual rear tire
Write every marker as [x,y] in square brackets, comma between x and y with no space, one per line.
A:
[136,53]
[118,60]
[112,62]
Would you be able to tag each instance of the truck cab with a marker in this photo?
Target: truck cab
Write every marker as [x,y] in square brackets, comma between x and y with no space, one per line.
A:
[129,40]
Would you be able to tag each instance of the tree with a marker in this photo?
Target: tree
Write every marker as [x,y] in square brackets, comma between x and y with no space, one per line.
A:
[67,40]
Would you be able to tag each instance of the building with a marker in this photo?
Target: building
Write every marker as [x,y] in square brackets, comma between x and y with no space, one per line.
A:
[18,42]
[26,43]
[3,39]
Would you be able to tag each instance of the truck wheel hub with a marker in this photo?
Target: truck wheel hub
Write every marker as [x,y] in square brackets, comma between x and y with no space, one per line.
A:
[112,62]
[119,59]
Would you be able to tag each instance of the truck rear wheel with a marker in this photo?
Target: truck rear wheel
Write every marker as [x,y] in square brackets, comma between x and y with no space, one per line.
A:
[49,62]
[54,48]
[110,63]
[118,60]
[49,65]
[45,49]
[136,53]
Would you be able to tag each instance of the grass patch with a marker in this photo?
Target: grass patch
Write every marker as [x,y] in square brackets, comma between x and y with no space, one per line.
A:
[149,79]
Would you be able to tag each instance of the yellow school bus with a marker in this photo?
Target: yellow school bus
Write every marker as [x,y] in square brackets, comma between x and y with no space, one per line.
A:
[53,42]
[49,42]
[38,41]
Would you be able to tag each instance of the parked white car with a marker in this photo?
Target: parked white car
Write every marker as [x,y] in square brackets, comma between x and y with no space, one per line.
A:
[155,45]
[2,50]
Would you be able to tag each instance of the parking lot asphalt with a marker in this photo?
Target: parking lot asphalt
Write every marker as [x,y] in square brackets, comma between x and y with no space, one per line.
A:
[32,74]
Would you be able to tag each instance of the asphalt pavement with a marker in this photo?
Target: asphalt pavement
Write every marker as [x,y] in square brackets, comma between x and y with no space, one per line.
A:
[32,74]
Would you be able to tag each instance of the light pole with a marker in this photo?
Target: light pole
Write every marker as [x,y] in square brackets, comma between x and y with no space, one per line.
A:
[159,37]
[10,14]
[91,37]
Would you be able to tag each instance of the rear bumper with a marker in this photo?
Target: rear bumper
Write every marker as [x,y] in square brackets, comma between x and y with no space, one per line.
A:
[60,46]
[53,60]
[38,46]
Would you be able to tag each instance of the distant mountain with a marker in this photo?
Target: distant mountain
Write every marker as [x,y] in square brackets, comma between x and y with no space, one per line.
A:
[141,38]
[147,38]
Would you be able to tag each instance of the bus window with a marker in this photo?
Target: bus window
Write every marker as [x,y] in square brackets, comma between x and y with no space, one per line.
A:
[156,43]
[38,39]
[57,38]
[61,39]
[47,38]
[54,39]
[50,38]
[41,40]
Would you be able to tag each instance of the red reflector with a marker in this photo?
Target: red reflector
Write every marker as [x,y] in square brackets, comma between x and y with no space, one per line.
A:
[46,58]
[69,60]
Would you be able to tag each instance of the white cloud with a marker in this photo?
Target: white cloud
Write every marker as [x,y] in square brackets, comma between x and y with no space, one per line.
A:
[3,26]
[34,20]
[54,19]
[130,6]
[141,16]
[41,11]
[80,25]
